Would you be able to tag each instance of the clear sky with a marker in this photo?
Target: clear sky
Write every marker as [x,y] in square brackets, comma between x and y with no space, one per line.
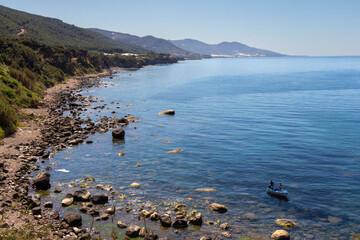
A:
[294,27]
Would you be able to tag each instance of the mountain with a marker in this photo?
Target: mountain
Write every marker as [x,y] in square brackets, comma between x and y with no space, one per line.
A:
[151,43]
[55,32]
[224,49]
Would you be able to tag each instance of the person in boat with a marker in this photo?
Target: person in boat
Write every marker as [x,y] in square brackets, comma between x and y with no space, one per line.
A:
[271,186]
[280,186]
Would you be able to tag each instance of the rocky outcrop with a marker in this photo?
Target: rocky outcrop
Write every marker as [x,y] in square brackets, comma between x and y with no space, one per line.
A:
[42,181]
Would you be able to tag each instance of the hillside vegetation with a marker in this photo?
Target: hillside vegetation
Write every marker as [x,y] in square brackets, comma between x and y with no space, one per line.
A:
[53,31]
[27,67]
[150,43]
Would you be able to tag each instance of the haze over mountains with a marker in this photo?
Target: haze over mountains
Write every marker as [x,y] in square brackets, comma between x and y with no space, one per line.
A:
[54,31]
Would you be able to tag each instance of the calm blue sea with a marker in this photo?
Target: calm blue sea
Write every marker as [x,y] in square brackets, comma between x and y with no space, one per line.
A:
[240,123]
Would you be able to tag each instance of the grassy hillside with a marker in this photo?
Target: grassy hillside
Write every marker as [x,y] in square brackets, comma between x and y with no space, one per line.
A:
[27,67]
[53,31]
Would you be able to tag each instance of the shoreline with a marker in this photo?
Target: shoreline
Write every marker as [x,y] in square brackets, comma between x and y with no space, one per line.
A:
[18,154]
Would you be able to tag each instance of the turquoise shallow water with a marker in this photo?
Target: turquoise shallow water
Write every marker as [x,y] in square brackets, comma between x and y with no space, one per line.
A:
[240,123]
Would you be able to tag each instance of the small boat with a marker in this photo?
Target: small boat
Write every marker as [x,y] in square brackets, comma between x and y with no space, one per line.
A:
[277,192]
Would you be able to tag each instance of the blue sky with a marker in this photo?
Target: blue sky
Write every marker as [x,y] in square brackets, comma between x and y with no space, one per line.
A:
[295,27]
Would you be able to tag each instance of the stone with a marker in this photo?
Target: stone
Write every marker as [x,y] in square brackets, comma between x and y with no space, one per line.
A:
[225,225]
[151,236]
[205,238]
[121,224]
[142,232]
[105,216]
[280,235]
[99,199]
[48,205]
[36,211]
[57,189]
[118,133]
[73,219]
[42,181]
[54,214]
[216,207]
[180,223]
[89,179]
[286,223]
[67,200]
[110,211]
[81,195]
[155,216]
[226,234]
[94,212]
[165,220]
[167,112]
[133,231]
[179,207]
[145,213]
[196,219]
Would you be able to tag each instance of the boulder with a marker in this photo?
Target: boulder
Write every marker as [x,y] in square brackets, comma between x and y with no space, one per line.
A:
[280,235]
[196,219]
[73,219]
[118,133]
[48,205]
[142,232]
[165,220]
[286,223]
[36,211]
[121,224]
[180,223]
[167,112]
[133,231]
[99,199]
[216,207]
[81,195]
[155,216]
[42,181]
[67,200]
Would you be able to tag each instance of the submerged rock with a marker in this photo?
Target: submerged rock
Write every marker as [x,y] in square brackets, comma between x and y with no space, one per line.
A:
[99,199]
[286,223]
[216,207]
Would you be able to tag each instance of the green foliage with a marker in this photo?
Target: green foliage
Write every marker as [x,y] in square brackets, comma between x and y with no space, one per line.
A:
[55,32]
[26,232]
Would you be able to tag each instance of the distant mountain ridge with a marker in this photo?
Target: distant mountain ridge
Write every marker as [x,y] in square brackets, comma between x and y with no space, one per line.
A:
[151,43]
[224,49]
[54,31]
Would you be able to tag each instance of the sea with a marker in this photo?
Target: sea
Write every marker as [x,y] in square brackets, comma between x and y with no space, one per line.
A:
[240,122]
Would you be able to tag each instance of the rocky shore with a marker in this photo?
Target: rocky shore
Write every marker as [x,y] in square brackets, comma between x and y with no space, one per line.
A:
[47,131]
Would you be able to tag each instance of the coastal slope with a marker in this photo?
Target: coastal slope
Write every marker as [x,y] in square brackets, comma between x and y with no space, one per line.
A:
[224,49]
[53,31]
[150,43]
